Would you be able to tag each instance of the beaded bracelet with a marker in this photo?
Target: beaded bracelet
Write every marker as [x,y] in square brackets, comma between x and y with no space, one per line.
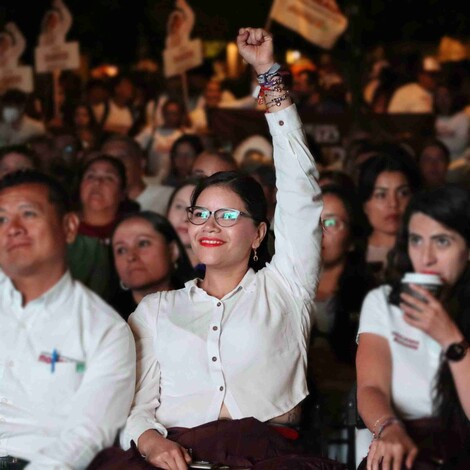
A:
[276,88]
[277,101]
[388,422]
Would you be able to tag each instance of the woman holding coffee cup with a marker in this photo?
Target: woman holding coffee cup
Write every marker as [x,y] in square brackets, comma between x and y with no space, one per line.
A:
[413,369]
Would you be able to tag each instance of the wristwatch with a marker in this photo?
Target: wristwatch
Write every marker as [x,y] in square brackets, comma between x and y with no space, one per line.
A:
[456,351]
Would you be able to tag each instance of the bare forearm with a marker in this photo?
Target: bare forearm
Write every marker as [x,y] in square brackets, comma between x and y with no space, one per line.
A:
[373,406]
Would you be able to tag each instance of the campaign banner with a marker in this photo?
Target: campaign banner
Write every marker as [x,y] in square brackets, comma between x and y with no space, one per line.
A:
[63,56]
[178,60]
[17,77]
[318,21]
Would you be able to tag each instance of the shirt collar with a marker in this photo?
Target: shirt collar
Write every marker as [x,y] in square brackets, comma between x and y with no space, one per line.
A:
[247,283]
[57,293]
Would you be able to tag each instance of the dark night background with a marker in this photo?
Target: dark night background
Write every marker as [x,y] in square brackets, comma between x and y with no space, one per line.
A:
[115,30]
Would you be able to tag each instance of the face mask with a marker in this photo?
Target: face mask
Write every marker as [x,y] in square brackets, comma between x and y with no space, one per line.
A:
[10,115]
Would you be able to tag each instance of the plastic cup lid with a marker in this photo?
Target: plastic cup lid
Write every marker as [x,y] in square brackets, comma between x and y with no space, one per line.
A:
[421,278]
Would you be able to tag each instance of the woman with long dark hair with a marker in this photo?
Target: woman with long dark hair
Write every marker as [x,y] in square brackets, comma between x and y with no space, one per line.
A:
[226,356]
[386,183]
[413,370]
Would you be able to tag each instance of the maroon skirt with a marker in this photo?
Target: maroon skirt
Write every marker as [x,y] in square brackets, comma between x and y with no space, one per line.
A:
[244,443]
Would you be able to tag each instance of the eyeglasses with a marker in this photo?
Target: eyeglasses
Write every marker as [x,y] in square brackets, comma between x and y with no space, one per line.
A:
[333,224]
[223,217]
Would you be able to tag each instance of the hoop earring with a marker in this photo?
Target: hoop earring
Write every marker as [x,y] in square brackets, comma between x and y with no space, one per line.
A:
[255,255]
[123,286]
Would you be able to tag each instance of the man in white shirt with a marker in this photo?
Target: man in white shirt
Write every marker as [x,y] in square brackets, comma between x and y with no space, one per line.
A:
[15,126]
[417,97]
[150,195]
[67,360]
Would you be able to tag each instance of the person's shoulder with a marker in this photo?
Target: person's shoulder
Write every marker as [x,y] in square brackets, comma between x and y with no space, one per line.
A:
[93,306]
[378,295]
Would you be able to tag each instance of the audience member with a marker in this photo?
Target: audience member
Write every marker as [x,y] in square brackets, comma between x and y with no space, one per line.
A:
[68,360]
[97,96]
[179,201]
[102,183]
[413,366]
[43,146]
[262,377]
[117,115]
[337,178]
[417,96]
[386,183]
[149,257]
[214,97]
[85,126]
[149,194]
[16,127]
[433,162]
[207,163]
[17,157]
[157,142]
[452,123]
[183,153]
[344,282]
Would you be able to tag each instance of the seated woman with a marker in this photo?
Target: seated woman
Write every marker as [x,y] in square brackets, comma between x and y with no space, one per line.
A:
[413,373]
[386,183]
[228,354]
[180,199]
[149,257]
[102,183]
[343,284]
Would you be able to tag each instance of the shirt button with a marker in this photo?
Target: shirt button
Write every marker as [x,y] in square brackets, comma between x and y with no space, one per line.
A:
[219,304]
[281,123]
[214,359]
[221,388]
[10,364]
[214,328]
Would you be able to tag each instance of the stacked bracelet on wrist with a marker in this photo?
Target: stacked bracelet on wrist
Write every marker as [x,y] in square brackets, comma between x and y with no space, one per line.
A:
[388,422]
[271,89]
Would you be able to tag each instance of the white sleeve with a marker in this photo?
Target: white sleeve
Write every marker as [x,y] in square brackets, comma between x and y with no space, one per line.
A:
[374,317]
[100,406]
[147,389]
[299,205]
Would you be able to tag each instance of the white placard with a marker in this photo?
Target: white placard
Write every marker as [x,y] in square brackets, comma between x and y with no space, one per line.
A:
[318,21]
[63,56]
[178,60]
[18,77]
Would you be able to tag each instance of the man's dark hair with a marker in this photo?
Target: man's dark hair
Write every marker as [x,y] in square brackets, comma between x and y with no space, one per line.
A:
[57,194]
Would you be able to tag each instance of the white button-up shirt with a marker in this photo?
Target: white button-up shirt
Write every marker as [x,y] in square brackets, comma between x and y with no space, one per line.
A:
[247,350]
[59,416]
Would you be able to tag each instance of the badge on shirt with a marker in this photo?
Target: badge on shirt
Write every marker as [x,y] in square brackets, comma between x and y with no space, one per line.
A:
[54,357]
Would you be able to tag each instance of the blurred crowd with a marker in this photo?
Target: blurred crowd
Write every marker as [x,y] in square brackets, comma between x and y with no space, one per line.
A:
[130,150]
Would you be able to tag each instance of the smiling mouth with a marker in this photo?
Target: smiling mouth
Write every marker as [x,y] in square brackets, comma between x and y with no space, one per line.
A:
[210,242]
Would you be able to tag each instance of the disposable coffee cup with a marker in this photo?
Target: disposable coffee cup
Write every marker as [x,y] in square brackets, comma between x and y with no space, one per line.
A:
[431,282]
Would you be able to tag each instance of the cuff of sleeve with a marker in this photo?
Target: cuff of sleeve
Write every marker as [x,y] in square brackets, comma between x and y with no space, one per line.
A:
[284,121]
[133,434]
